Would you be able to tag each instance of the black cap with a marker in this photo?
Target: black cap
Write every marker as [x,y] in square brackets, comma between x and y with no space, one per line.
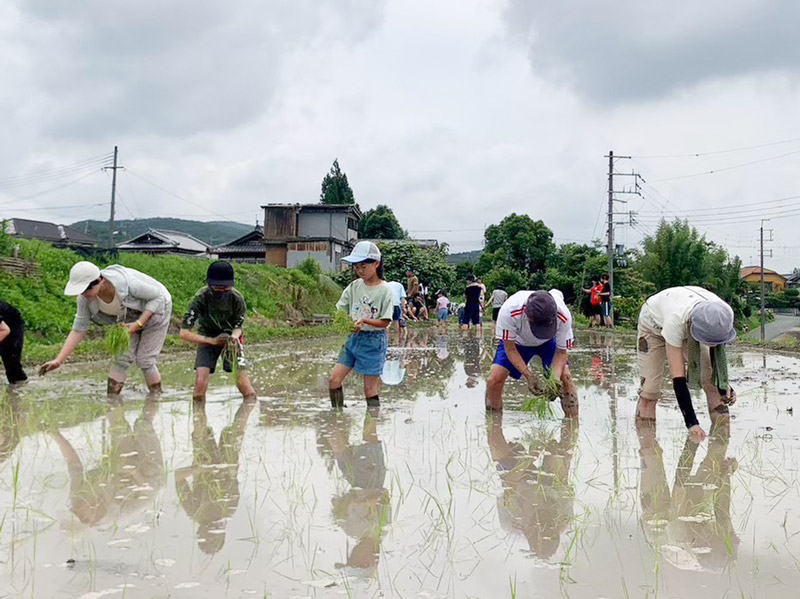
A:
[220,274]
[541,310]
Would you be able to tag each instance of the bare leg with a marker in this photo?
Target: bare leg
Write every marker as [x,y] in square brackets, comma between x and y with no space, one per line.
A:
[202,376]
[244,386]
[371,388]
[494,387]
[569,394]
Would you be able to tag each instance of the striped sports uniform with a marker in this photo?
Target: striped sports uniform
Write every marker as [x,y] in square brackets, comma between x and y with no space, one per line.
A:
[512,325]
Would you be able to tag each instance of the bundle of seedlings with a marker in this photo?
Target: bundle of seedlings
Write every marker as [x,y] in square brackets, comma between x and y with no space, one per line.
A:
[539,405]
[342,323]
[230,355]
[118,339]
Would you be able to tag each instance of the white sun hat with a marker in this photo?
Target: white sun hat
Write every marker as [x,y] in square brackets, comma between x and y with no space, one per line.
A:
[80,276]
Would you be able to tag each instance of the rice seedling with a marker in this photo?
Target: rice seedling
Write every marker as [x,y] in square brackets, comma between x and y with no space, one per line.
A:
[230,355]
[342,323]
[118,340]
[540,405]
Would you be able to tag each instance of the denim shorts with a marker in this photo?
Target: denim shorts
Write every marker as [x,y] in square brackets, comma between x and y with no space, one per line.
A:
[546,352]
[365,352]
[443,315]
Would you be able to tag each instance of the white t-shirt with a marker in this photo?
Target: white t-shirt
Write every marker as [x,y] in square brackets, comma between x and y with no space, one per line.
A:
[512,325]
[398,292]
[669,312]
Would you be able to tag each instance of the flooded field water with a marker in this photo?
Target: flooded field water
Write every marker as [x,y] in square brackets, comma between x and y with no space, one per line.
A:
[426,498]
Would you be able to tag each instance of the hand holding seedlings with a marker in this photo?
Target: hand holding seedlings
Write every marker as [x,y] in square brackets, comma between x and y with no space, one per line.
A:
[118,339]
[221,340]
[697,434]
[534,383]
[49,367]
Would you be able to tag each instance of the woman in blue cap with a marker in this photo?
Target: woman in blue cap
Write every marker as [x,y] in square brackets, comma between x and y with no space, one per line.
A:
[688,327]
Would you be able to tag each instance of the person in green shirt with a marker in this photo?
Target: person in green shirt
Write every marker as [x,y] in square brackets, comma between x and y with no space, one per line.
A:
[369,302]
[218,310]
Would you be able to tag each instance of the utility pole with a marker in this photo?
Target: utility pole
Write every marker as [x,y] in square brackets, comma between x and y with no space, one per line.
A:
[610,248]
[113,198]
[763,285]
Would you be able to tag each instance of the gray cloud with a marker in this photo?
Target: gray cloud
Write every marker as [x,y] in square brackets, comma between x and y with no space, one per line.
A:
[173,68]
[631,50]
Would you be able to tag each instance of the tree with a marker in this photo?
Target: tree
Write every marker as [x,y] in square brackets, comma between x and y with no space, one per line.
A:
[574,265]
[678,255]
[335,187]
[380,223]
[429,263]
[520,244]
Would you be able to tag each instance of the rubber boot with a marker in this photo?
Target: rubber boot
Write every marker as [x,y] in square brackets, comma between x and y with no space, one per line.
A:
[373,402]
[155,389]
[114,388]
[337,397]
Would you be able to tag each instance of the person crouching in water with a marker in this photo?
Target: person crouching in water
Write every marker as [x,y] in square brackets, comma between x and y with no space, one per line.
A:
[533,323]
[219,310]
[688,327]
[368,301]
[118,294]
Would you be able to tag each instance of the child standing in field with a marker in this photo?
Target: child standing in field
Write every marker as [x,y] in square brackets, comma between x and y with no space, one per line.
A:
[368,301]
[442,311]
[218,309]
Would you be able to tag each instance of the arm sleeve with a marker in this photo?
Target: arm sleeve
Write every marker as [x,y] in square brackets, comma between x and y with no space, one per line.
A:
[193,312]
[506,329]
[151,294]
[565,338]
[684,401]
[83,316]
[387,305]
[241,311]
[344,301]
[674,331]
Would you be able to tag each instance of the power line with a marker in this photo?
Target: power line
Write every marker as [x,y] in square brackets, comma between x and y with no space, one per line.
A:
[727,168]
[716,152]
[49,190]
[47,175]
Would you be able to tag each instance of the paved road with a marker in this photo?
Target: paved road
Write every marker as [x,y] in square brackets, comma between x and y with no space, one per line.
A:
[782,324]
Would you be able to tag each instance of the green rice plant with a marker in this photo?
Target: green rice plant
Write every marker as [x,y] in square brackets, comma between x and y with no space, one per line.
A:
[230,355]
[118,340]
[540,405]
[342,323]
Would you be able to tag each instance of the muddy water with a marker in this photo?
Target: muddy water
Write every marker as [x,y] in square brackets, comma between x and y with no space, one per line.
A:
[427,498]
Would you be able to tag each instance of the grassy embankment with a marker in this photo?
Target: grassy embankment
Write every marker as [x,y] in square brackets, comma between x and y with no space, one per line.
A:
[277,298]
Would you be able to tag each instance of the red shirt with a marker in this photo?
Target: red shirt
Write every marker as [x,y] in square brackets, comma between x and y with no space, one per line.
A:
[596,291]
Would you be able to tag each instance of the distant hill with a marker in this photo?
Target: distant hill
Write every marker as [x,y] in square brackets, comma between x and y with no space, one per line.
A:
[458,258]
[212,232]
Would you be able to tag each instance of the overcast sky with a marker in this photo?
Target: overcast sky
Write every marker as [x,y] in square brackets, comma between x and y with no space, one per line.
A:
[454,113]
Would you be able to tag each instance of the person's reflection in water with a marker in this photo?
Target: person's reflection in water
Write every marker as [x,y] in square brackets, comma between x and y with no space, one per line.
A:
[472,361]
[211,497]
[537,495]
[365,509]
[129,475]
[691,527]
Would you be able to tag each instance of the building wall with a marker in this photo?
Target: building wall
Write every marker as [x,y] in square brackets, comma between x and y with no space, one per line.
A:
[322,224]
[279,222]
[276,255]
[771,281]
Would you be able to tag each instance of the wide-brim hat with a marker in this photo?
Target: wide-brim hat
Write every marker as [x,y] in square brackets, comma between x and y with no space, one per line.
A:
[712,323]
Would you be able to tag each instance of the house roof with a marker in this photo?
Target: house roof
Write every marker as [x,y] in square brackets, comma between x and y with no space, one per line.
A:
[316,207]
[748,271]
[166,240]
[45,231]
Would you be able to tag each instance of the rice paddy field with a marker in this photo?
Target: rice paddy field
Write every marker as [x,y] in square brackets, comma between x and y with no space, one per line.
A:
[427,497]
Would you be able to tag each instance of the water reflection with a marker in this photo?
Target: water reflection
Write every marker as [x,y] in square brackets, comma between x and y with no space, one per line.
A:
[691,525]
[538,495]
[364,509]
[130,472]
[208,490]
